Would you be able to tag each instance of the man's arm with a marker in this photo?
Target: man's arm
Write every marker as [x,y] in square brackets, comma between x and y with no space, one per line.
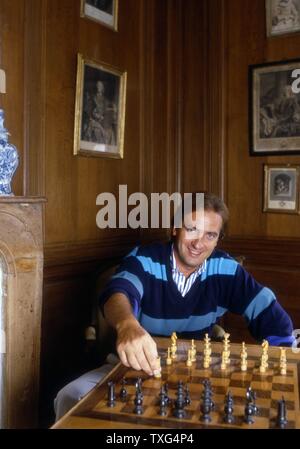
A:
[135,346]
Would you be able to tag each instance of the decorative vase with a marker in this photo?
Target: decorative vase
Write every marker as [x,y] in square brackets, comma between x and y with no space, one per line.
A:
[9,159]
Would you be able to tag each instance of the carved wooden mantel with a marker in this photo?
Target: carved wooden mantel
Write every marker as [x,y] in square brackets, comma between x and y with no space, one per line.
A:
[21,258]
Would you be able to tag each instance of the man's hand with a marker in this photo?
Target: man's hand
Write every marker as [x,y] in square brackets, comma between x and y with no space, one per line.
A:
[136,348]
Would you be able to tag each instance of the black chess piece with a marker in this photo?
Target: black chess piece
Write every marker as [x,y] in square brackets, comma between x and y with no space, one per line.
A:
[228,409]
[207,393]
[249,412]
[281,414]
[206,409]
[111,399]
[123,391]
[138,401]
[187,398]
[179,411]
[166,389]
[163,405]
[138,387]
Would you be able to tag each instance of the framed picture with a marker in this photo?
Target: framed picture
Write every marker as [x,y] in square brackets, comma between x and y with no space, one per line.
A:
[274,115]
[99,110]
[283,17]
[281,188]
[102,11]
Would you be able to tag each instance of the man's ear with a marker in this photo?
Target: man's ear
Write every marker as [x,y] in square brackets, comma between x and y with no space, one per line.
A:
[174,232]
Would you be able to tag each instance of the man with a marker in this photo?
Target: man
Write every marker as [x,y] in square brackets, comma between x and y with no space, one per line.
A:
[184,286]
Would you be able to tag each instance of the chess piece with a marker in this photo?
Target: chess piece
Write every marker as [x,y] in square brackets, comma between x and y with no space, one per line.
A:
[244,356]
[226,351]
[187,398]
[179,411]
[173,352]
[264,357]
[206,410]
[223,363]
[207,352]
[138,401]
[163,405]
[174,340]
[228,409]
[249,412]
[193,351]
[281,420]
[283,362]
[111,399]
[157,373]
[169,359]
[251,398]
[189,359]
[123,392]
[207,392]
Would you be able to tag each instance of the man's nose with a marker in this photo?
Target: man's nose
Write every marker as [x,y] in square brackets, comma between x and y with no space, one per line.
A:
[198,242]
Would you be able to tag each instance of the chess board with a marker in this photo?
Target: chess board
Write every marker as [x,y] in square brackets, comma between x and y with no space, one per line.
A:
[270,387]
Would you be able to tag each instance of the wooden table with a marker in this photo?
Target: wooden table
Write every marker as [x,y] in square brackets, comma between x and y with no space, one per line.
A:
[92,411]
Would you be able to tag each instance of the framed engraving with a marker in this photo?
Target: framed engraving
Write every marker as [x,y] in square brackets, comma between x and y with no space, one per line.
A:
[99,109]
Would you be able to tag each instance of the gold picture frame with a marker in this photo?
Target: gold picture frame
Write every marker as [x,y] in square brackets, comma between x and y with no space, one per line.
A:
[101,11]
[99,109]
[281,188]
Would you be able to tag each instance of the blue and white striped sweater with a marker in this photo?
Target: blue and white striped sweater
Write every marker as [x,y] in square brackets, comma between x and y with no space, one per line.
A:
[145,277]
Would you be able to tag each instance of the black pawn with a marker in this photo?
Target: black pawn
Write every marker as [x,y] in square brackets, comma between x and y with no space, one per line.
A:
[228,409]
[206,409]
[138,402]
[123,392]
[179,411]
[281,413]
[249,412]
[111,400]
[187,398]
[163,405]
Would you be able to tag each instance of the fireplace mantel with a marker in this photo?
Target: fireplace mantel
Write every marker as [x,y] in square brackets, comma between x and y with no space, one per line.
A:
[21,259]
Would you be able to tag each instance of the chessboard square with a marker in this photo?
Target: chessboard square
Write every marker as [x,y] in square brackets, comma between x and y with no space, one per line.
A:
[238,392]
[259,377]
[241,376]
[289,388]
[265,386]
[263,394]
[277,395]
[238,383]
[290,405]
[283,380]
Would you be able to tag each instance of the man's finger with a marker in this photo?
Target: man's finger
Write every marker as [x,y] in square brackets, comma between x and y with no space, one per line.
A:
[132,360]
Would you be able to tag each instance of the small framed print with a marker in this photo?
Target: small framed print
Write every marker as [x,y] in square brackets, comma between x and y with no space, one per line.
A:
[101,11]
[283,17]
[99,110]
[281,188]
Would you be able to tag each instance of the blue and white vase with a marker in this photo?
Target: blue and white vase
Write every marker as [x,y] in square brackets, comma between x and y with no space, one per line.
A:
[9,159]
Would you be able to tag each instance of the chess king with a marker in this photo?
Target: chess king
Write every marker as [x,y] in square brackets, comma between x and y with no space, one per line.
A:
[182,286]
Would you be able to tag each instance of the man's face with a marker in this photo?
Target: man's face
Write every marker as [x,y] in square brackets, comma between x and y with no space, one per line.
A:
[193,244]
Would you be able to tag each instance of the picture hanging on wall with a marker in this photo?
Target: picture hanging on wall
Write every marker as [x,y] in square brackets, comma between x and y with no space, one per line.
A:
[99,109]
[102,11]
[281,188]
[283,17]
[274,115]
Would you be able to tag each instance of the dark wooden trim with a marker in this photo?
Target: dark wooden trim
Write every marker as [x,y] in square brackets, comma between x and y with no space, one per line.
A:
[261,251]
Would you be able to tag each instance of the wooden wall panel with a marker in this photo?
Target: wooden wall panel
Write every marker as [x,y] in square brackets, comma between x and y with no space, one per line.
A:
[12,61]
[248,44]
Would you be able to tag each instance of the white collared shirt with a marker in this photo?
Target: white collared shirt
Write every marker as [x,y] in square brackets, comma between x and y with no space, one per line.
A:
[184,284]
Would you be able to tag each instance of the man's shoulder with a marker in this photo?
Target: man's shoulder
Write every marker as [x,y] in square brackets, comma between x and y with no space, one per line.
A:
[220,254]
[156,251]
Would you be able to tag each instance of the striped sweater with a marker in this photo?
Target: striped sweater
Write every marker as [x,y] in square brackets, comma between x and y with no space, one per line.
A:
[145,277]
